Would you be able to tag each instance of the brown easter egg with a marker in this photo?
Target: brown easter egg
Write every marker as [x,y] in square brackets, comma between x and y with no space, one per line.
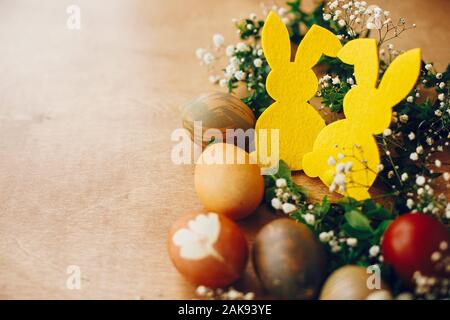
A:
[219,111]
[289,260]
[351,283]
[227,182]
[208,249]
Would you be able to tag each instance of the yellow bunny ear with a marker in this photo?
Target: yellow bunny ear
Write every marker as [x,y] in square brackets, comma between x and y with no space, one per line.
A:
[316,42]
[276,42]
[363,54]
[401,76]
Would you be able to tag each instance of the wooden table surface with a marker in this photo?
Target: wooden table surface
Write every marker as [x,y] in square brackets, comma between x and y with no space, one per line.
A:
[85,121]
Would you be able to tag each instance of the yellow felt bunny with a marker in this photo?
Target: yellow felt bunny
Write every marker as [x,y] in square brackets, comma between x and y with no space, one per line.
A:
[292,85]
[368,111]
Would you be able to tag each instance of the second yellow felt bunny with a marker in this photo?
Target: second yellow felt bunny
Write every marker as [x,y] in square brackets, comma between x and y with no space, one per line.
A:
[292,85]
[368,111]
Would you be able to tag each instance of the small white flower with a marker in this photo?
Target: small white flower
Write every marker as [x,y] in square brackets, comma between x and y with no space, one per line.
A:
[281,183]
[441,97]
[218,40]
[324,237]
[414,156]
[419,149]
[335,249]
[336,80]
[288,208]
[340,168]
[260,52]
[387,132]
[439,76]
[420,180]
[404,176]
[352,242]
[213,79]
[326,16]
[428,67]
[241,47]
[410,99]
[374,251]
[404,118]
[223,83]
[410,203]
[438,113]
[257,62]
[309,218]
[200,52]
[446,176]
[442,85]
[239,75]
[341,23]
[350,81]
[348,167]
[208,58]
[411,136]
[229,51]
[339,179]
[380,167]
[276,203]
[331,161]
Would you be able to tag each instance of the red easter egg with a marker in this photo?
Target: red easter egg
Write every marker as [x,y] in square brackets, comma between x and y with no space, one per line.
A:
[417,242]
[208,249]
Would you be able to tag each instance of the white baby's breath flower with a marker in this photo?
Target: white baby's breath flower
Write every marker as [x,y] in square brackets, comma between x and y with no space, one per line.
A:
[326,16]
[223,82]
[414,156]
[257,62]
[336,80]
[387,132]
[239,75]
[441,97]
[229,51]
[410,203]
[288,208]
[442,85]
[374,251]
[404,176]
[208,58]
[241,47]
[439,76]
[281,183]
[331,161]
[324,237]
[419,149]
[218,40]
[352,242]
[276,203]
[411,136]
[380,167]
[410,99]
[309,218]
[420,180]
[200,52]
[428,66]
[438,163]
[446,176]
[350,81]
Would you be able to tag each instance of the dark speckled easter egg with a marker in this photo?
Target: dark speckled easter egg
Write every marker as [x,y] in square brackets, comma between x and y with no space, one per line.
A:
[288,260]
[219,111]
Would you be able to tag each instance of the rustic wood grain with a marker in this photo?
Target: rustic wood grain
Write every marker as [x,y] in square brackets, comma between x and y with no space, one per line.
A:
[85,123]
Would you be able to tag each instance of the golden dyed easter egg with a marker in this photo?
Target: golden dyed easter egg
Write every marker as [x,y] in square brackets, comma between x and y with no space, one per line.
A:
[350,283]
[228,182]
[289,260]
[208,249]
[219,111]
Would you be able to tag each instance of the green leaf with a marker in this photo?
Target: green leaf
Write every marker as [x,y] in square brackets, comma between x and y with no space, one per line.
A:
[284,171]
[269,195]
[358,221]
[358,234]
[379,232]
